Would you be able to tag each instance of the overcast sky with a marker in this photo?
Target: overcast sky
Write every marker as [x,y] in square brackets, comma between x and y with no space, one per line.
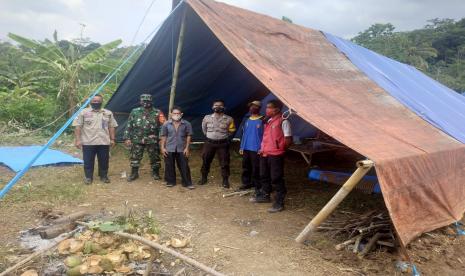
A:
[106,20]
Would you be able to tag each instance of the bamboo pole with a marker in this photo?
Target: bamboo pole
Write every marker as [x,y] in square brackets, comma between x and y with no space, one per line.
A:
[362,168]
[176,254]
[36,254]
[177,63]
[163,248]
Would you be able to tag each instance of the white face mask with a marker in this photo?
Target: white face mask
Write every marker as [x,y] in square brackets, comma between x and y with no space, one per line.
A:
[176,117]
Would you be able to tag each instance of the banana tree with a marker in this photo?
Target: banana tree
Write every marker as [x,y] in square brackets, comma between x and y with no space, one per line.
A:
[66,65]
[24,84]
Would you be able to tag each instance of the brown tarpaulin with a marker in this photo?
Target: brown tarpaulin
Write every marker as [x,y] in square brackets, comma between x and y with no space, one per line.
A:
[420,169]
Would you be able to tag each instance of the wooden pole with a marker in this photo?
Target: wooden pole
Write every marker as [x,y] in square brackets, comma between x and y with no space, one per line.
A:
[163,248]
[176,254]
[362,168]
[10,270]
[177,62]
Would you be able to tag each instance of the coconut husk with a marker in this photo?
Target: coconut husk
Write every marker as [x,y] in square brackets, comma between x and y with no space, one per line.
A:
[75,271]
[95,270]
[75,246]
[179,243]
[85,236]
[94,260]
[129,247]
[115,257]
[106,264]
[152,237]
[72,261]
[123,269]
[30,272]
[106,241]
[63,247]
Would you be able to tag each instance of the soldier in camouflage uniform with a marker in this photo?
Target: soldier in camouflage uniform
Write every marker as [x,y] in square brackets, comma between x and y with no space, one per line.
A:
[143,132]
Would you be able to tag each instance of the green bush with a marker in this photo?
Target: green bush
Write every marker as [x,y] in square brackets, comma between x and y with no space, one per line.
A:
[26,112]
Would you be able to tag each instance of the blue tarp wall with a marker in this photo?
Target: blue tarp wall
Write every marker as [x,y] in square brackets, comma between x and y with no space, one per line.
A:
[437,104]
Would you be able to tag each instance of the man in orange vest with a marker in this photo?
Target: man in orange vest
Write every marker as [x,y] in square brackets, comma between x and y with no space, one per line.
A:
[277,137]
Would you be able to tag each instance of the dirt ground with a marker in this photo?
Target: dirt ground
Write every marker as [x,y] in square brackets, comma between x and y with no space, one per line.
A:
[250,240]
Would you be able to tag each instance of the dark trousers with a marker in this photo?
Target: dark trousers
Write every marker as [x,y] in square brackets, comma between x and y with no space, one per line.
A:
[250,168]
[272,176]
[179,159]
[103,156]
[209,150]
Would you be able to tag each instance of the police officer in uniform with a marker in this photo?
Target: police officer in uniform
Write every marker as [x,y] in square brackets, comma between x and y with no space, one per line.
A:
[143,133]
[218,128]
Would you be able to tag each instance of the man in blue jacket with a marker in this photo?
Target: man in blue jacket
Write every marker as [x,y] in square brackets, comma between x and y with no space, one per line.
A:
[252,133]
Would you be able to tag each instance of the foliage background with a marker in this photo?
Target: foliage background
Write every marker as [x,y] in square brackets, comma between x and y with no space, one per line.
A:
[43,82]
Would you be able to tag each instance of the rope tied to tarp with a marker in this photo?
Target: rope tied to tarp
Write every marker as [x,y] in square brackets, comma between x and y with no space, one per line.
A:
[286,114]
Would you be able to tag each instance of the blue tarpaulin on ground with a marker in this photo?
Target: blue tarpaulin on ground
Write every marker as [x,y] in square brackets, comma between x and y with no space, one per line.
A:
[17,157]
[439,105]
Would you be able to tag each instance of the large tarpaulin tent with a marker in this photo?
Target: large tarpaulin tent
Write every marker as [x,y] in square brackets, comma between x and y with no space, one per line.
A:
[239,55]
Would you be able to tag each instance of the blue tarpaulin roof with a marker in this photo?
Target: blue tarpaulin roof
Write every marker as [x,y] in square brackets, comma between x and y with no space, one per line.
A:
[17,157]
[439,105]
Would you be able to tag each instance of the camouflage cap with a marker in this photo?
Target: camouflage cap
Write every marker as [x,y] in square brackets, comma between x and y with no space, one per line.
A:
[146,97]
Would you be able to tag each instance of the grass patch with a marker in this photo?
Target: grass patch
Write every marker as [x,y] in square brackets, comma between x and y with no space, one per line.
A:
[48,184]
[53,192]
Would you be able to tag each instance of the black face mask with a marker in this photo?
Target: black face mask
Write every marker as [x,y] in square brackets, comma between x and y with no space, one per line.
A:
[96,106]
[254,110]
[218,109]
[146,104]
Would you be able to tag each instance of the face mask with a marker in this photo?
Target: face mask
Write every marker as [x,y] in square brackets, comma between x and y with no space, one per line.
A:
[96,106]
[218,109]
[254,110]
[270,112]
[146,104]
[176,117]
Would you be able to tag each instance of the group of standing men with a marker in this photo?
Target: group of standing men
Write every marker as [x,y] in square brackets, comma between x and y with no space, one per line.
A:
[264,142]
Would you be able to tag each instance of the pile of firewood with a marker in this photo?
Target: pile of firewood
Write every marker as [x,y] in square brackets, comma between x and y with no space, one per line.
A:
[362,233]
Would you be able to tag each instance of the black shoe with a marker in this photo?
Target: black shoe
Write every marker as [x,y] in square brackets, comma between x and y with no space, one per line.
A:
[226,183]
[134,174]
[170,184]
[156,176]
[277,207]
[87,181]
[203,180]
[190,187]
[259,198]
[105,179]
[244,187]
